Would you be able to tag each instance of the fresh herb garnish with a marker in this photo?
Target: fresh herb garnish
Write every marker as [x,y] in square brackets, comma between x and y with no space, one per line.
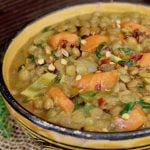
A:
[128,107]
[21,67]
[100,48]
[128,63]
[31,58]
[5,127]
[40,45]
[58,78]
[87,109]
[78,103]
[143,104]
[126,50]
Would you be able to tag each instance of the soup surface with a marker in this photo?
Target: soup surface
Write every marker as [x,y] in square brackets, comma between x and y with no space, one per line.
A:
[90,72]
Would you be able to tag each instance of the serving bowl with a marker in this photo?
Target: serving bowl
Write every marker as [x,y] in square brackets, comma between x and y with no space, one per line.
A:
[53,135]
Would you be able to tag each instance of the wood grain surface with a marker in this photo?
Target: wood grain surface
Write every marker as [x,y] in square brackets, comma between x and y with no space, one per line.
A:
[16,14]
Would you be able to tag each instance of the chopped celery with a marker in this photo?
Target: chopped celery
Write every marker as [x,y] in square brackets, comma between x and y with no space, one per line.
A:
[115,58]
[35,88]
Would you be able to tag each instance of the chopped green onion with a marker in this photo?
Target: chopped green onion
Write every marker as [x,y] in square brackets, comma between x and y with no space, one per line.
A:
[40,45]
[126,50]
[98,53]
[31,58]
[128,107]
[128,63]
[87,108]
[143,104]
[78,103]
[100,48]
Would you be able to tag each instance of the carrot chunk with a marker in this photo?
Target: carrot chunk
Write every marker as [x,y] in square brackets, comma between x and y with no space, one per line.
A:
[58,39]
[134,121]
[135,26]
[61,99]
[145,60]
[92,42]
[90,81]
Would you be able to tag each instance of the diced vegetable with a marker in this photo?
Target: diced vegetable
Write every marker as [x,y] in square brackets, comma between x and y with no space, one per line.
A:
[40,45]
[126,50]
[143,104]
[87,108]
[100,48]
[92,42]
[128,107]
[43,36]
[31,58]
[78,103]
[58,39]
[89,81]
[115,58]
[135,26]
[61,99]
[35,88]
[128,63]
[135,119]
[145,60]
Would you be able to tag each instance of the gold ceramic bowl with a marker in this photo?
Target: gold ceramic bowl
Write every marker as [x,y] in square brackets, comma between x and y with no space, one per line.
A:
[55,135]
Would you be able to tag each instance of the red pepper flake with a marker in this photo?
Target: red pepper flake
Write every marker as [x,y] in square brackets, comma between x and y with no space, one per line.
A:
[98,86]
[62,43]
[105,61]
[101,102]
[106,110]
[136,56]
[146,51]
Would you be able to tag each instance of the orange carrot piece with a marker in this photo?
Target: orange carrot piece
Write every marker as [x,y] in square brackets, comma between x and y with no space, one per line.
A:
[61,99]
[92,42]
[145,60]
[55,40]
[135,26]
[135,121]
[105,80]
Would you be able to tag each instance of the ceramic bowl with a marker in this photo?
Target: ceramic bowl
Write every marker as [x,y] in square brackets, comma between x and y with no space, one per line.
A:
[54,135]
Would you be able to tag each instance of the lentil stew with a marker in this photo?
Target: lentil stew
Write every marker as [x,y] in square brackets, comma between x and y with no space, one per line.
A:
[90,72]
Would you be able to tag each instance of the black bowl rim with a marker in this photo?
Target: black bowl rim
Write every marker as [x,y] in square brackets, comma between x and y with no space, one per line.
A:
[113,136]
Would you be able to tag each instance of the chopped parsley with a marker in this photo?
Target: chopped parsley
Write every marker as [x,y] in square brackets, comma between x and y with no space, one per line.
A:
[31,58]
[100,48]
[126,50]
[128,63]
